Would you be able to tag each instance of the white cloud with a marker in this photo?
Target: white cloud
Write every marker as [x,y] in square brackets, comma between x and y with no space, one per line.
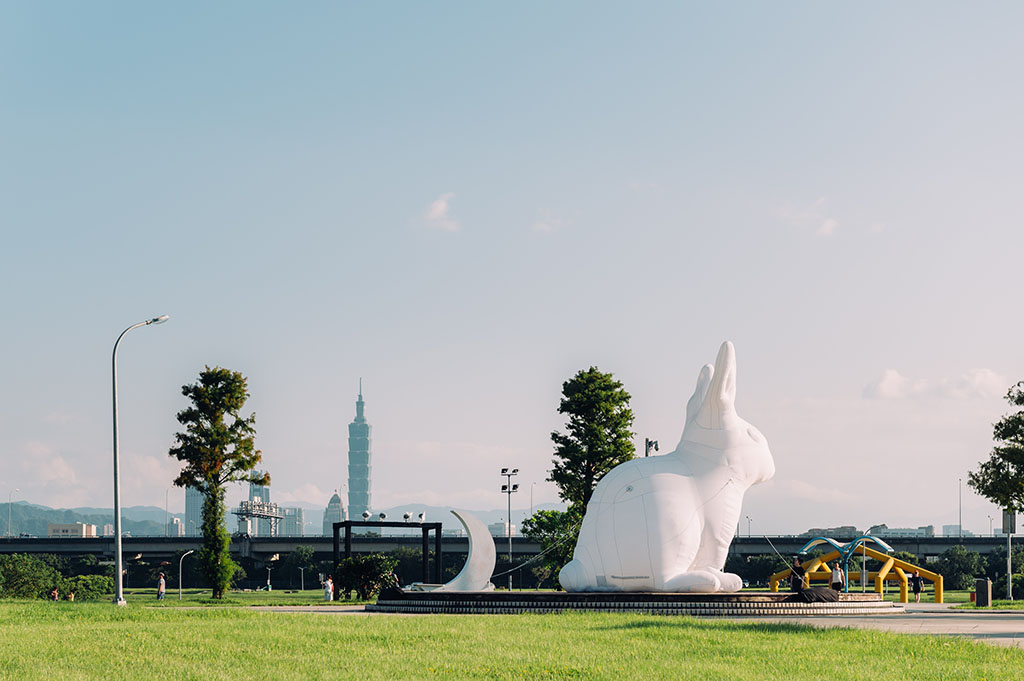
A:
[547,224]
[438,214]
[307,493]
[47,466]
[806,491]
[816,215]
[976,383]
[828,227]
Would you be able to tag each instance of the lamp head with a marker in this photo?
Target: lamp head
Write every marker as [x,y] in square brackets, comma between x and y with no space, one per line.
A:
[382,516]
[406,516]
[159,320]
[515,471]
[366,515]
[504,471]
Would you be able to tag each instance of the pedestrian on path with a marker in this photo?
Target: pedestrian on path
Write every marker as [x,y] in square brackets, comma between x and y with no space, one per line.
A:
[917,584]
[838,579]
[161,587]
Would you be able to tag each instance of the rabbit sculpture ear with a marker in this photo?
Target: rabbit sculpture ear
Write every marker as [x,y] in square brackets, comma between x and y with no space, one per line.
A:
[720,401]
[703,381]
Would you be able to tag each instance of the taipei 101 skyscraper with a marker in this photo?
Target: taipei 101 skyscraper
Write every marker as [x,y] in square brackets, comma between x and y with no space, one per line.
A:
[358,462]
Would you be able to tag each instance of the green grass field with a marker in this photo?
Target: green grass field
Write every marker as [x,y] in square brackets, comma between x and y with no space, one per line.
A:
[201,597]
[71,641]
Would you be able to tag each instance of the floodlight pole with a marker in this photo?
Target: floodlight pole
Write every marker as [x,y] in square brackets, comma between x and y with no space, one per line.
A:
[180,561]
[118,557]
[508,489]
[9,496]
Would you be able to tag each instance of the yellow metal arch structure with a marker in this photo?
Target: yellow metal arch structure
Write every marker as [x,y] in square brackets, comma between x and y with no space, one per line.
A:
[893,570]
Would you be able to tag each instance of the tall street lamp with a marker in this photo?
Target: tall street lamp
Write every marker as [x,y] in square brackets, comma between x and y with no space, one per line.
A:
[9,495]
[118,558]
[508,489]
[180,561]
[748,526]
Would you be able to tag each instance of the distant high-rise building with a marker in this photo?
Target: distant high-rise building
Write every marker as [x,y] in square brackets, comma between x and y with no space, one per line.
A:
[193,512]
[175,528]
[334,513]
[260,527]
[293,523]
[359,467]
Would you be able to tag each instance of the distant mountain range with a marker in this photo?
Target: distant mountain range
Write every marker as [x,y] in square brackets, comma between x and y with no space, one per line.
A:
[148,521]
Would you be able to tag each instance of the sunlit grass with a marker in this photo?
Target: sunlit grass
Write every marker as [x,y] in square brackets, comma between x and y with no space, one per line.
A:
[40,640]
[203,597]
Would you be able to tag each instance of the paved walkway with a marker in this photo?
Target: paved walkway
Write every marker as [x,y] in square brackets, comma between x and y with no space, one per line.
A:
[997,627]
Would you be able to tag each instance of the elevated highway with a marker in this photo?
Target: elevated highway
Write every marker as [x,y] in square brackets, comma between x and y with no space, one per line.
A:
[264,548]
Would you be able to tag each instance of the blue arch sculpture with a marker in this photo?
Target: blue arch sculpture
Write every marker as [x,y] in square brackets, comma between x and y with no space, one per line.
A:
[846,550]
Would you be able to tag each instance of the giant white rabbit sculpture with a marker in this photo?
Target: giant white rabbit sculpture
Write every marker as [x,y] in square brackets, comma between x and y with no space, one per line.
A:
[664,523]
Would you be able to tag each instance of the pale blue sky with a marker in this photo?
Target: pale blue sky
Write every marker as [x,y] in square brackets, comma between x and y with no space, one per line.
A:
[465,203]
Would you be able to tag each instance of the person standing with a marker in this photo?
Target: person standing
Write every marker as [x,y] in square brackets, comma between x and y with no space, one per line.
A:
[328,589]
[796,575]
[917,584]
[838,579]
[161,587]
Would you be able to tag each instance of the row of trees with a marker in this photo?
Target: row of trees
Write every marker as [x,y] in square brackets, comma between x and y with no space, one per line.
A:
[26,576]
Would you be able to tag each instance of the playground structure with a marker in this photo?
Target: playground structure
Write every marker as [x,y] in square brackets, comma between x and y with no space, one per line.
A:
[893,570]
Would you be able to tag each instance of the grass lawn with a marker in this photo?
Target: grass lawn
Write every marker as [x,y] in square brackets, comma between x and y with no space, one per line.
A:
[996,605]
[71,641]
[201,597]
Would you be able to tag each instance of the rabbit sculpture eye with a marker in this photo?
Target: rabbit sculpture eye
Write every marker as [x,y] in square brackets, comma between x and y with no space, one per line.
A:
[664,523]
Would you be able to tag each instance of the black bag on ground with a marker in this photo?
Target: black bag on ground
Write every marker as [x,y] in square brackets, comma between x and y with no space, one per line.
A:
[820,594]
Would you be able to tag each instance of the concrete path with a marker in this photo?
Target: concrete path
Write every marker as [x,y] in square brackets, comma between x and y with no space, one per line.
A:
[997,627]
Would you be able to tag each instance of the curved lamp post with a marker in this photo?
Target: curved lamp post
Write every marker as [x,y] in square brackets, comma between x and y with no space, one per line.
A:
[180,561]
[118,558]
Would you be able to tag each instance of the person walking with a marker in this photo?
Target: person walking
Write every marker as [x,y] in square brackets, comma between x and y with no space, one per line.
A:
[161,587]
[917,584]
[838,579]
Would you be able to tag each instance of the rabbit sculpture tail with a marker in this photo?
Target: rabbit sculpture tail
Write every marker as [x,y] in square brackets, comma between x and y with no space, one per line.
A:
[664,523]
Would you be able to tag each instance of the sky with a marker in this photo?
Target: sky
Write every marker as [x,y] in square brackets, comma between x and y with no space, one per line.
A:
[463,204]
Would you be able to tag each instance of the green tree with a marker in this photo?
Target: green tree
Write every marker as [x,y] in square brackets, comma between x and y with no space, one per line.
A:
[556,532]
[25,576]
[301,557]
[218,447]
[1001,478]
[597,438]
[959,568]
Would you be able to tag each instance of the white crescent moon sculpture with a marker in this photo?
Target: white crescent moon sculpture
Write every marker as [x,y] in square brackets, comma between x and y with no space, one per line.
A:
[476,573]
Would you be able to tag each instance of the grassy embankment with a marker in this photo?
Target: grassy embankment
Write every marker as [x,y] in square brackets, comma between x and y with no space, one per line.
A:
[78,641]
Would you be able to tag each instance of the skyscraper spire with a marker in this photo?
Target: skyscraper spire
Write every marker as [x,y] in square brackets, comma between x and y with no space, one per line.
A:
[359,467]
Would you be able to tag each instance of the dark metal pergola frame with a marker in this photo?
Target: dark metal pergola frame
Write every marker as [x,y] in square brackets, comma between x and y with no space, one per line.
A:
[426,529]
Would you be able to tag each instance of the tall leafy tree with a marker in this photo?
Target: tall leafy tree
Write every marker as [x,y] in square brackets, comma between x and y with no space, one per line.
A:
[218,447]
[597,437]
[1001,478]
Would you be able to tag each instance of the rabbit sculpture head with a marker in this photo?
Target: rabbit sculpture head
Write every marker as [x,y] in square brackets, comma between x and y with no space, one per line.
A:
[715,433]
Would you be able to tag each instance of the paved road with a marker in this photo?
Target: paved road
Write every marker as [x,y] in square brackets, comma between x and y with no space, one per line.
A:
[997,627]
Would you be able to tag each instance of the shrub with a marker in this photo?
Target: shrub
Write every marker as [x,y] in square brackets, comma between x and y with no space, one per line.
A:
[366,574]
[87,587]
